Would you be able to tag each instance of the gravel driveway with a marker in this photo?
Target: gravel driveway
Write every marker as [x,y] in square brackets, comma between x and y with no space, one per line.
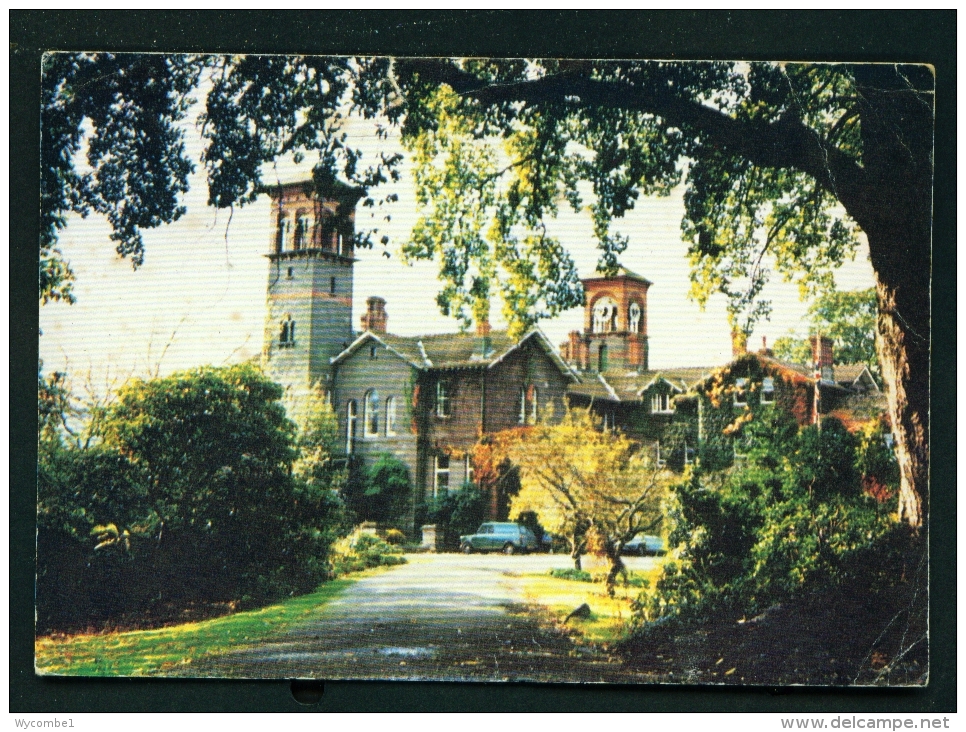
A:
[445,617]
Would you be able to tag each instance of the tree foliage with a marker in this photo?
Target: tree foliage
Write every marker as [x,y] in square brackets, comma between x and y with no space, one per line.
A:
[187,495]
[580,479]
[849,319]
[782,164]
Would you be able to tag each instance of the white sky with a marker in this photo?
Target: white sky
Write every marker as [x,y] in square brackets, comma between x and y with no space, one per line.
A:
[199,298]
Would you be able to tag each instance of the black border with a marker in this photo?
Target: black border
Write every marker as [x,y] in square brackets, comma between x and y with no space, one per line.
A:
[909,36]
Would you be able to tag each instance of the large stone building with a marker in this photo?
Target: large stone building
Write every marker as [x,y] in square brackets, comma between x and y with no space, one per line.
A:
[428,399]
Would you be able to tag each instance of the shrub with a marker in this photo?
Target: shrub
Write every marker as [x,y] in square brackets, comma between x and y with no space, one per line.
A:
[458,513]
[361,551]
[379,491]
[569,573]
[394,537]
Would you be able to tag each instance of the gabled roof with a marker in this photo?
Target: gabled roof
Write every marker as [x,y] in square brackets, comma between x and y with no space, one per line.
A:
[624,386]
[847,374]
[455,350]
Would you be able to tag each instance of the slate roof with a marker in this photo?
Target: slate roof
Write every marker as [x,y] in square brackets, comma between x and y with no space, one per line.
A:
[621,272]
[455,350]
[848,373]
[627,386]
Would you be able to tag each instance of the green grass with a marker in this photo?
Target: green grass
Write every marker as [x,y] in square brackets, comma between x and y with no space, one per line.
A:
[609,617]
[169,650]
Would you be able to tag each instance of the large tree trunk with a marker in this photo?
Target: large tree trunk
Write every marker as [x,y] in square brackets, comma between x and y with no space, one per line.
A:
[895,211]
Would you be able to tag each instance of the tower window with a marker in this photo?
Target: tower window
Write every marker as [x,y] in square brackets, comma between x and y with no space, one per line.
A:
[301,239]
[634,318]
[332,285]
[605,316]
[339,243]
[280,232]
[440,474]
[372,413]
[351,414]
[286,337]
[602,357]
[443,405]
[390,415]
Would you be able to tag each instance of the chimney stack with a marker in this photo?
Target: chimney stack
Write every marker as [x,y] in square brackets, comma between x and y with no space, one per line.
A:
[575,347]
[375,318]
[739,343]
[822,356]
[484,344]
[765,350]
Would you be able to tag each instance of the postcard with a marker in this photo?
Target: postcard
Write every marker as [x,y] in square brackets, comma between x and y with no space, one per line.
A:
[476,369]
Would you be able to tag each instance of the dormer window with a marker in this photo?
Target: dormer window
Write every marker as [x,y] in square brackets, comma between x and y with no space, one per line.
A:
[442,399]
[661,403]
[741,392]
[768,391]
[286,336]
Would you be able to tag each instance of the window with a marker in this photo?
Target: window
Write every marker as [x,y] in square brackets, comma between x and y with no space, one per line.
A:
[372,413]
[300,241]
[661,403]
[440,474]
[332,285]
[391,415]
[533,404]
[634,318]
[768,391]
[522,416]
[602,357]
[605,315]
[608,420]
[286,336]
[741,392]
[442,399]
[351,414]
[339,243]
[281,233]
[468,468]
[373,350]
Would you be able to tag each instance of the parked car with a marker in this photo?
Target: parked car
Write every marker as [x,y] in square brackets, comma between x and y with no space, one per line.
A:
[493,536]
[646,545]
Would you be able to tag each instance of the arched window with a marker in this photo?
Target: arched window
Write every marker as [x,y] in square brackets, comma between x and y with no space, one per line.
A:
[301,240]
[372,413]
[390,415]
[280,233]
[351,414]
[522,416]
[602,357]
[604,316]
[533,403]
[634,318]
[286,336]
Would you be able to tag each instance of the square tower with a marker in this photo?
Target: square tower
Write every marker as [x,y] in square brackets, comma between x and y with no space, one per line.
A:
[309,295]
[615,324]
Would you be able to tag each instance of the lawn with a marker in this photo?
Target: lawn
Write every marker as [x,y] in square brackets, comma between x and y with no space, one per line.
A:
[169,650]
[609,616]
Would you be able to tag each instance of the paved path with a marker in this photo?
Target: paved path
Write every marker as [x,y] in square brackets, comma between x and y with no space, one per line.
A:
[444,616]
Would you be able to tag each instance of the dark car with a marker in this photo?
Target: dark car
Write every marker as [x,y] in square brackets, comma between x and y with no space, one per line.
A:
[646,545]
[493,536]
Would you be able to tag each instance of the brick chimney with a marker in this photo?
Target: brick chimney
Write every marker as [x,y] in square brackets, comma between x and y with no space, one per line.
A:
[375,318]
[765,350]
[822,356]
[739,343]
[575,346]
[484,344]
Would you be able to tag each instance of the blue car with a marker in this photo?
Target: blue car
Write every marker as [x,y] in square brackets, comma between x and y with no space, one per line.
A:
[494,536]
[645,545]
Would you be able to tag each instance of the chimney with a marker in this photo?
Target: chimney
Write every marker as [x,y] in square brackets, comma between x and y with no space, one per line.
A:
[822,356]
[484,344]
[375,317]
[739,343]
[573,347]
[765,350]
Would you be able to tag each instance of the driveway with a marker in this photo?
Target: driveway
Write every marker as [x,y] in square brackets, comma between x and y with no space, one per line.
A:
[444,617]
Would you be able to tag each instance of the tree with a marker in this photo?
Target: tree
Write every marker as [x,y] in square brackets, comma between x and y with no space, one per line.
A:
[848,318]
[784,163]
[580,479]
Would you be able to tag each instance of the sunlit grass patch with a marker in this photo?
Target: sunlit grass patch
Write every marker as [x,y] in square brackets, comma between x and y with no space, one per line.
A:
[609,616]
[168,650]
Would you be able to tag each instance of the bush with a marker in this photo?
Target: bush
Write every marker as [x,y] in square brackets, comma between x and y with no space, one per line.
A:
[379,491]
[791,519]
[395,537]
[569,573]
[359,551]
[457,513]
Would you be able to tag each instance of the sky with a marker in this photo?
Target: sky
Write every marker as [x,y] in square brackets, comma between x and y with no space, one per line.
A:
[200,296]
